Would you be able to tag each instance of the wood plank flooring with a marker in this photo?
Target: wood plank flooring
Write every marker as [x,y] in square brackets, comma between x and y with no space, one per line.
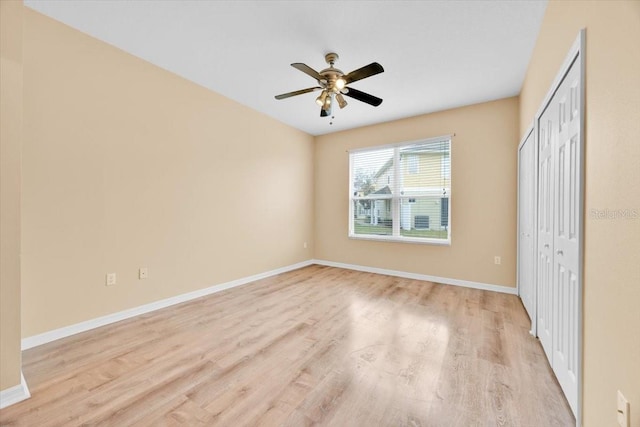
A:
[315,346]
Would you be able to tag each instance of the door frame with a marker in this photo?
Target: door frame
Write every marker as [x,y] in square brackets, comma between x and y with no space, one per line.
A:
[531,131]
[576,54]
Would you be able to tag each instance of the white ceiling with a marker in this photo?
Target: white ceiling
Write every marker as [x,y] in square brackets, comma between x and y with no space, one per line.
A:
[436,54]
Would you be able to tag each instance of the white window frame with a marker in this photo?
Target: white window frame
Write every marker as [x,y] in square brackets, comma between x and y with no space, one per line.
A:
[396,197]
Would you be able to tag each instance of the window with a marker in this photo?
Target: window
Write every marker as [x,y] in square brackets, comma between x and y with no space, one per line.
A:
[413,162]
[402,192]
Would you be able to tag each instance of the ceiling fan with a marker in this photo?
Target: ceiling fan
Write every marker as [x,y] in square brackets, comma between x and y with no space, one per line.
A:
[333,84]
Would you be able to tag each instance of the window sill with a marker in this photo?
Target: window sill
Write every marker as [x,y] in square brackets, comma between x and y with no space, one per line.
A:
[414,240]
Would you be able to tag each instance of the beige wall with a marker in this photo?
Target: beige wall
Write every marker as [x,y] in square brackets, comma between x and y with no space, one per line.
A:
[612,247]
[483,204]
[126,165]
[10,147]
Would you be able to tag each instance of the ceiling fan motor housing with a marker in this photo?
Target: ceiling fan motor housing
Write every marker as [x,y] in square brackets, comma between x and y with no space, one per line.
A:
[331,74]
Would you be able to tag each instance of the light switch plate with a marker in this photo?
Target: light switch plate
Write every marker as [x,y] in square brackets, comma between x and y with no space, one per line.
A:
[143,273]
[624,417]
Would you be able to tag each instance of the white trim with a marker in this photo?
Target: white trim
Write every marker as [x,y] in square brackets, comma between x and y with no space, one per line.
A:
[374,197]
[401,239]
[531,131]
[442,138]
[14,394]
[574,52]
[580,46]
[407,193]
[350,194]
[87,325]
[416,276]
[395,201]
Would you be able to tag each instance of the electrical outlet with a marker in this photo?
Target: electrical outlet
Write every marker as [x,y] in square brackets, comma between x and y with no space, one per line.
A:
[304,245]
[497,260]
[111,279]
[143,273]
[624,416]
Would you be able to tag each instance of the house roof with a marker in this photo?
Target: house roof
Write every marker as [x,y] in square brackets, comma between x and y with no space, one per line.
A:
[384,167]
[383,190]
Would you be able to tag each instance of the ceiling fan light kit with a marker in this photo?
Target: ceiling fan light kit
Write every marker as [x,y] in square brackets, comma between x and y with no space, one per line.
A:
[333,83]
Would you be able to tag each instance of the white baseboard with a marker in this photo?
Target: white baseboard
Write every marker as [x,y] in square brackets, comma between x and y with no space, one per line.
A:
[416,276]
[66,331]
[14,394]
[77,328]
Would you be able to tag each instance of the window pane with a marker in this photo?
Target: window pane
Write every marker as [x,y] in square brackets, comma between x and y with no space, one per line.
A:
[372,172]
[413,163]
[372,216]
[423,166]
[426,217]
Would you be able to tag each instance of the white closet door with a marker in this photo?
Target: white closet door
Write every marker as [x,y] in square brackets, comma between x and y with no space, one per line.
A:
[566,259]
[558,246]
[559,225]
[547,125]
[526,225]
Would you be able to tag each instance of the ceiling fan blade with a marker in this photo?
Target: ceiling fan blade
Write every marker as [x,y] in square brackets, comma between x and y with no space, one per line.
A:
[307,70]
[297,92]
[364,72]
[364,97]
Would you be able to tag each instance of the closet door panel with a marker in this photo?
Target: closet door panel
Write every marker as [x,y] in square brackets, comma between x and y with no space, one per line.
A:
[566,256]
[526,226]
[547,124]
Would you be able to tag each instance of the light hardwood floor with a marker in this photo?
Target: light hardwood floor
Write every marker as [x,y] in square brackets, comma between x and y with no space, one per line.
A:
[316,346]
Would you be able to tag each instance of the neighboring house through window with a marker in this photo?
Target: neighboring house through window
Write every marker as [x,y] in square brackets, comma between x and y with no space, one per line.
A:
[413,164]
[402,192]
